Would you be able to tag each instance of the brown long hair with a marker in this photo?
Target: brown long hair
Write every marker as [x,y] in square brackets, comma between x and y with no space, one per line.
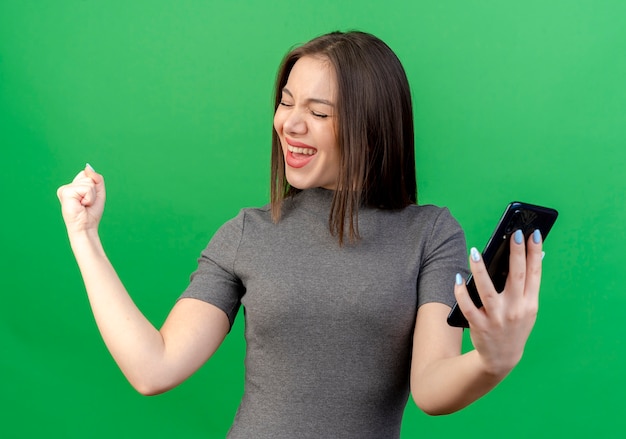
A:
[374,129]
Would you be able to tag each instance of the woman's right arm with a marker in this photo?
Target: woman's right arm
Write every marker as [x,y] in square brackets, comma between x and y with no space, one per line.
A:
[152,360]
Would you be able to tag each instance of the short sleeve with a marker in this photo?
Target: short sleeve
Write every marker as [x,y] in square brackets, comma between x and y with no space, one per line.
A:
[215,281]
[444,257]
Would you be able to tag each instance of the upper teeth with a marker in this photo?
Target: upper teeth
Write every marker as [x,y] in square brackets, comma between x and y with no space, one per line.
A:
[297,150]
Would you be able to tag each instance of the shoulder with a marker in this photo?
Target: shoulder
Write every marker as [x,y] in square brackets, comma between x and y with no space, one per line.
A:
[436,215]
[249,222]
[249,214]
[234,228]
[428,211]
[435,226]
[427,217]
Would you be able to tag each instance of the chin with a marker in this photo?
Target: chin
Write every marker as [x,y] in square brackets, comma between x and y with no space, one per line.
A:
[298,183]
[304,180]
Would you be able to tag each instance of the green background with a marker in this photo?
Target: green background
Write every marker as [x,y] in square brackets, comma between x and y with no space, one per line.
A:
[171,101]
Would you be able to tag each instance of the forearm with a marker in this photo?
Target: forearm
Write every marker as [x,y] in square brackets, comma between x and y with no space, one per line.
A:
[152,360]
[135,344]
[450,384]
[446,382]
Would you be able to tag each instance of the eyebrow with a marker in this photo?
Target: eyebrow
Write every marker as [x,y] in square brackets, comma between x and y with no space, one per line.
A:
[316,100]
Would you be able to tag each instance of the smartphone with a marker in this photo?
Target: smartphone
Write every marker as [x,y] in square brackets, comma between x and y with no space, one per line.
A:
[517,215]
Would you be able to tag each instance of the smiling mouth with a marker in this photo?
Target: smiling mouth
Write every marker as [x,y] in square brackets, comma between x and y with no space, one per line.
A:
[299,150]
[299,155]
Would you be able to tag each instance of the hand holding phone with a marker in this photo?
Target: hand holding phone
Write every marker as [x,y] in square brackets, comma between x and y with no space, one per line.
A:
[517,216]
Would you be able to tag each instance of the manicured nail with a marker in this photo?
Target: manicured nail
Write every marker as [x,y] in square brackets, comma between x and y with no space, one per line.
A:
[543,255]
[88,166]
[458,279]
[537,236]
[474,254]
[518,236]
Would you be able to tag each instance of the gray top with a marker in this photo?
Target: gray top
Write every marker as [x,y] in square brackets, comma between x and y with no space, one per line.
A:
[328,328]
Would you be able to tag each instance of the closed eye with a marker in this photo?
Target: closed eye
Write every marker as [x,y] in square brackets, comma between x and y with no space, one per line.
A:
[319,115]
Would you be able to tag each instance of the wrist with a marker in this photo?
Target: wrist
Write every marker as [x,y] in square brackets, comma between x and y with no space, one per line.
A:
[84,239]
[496,368]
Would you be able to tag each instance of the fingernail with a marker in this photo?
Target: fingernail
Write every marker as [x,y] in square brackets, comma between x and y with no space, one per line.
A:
[474,254]
[537,236]
[518,236]
[88,166]
[458,279]
[543,255]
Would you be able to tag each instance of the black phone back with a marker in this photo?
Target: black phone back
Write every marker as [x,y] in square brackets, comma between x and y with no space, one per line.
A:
[517,215]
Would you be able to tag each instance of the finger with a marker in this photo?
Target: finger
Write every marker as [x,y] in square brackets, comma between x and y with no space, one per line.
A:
[472,314]
[82,191]
[88,172]
[80,177]
[89,195]
[484,285]
[516,278]
[85,187]
[80,184]
[91,173]
[98,179]
[60,192]
[534,265]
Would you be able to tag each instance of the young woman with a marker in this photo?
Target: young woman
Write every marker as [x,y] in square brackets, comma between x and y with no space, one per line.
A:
[346,282]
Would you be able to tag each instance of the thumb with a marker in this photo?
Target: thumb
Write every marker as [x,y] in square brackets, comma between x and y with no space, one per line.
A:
[91,173]
[98,181]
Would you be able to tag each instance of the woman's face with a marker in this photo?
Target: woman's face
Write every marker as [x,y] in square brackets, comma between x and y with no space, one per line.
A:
[305,122]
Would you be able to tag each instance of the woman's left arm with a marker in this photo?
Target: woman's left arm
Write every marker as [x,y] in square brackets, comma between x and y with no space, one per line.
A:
[442,379]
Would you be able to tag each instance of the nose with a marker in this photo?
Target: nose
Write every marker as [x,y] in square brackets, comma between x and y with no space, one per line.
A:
[295,122]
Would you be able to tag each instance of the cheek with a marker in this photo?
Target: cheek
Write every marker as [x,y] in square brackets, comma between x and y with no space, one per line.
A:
[333,145]
[278,122]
